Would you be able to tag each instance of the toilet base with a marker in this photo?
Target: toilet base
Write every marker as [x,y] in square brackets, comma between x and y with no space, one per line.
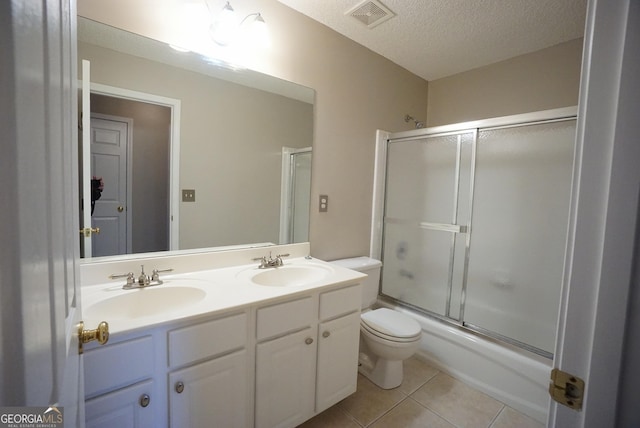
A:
[386,374]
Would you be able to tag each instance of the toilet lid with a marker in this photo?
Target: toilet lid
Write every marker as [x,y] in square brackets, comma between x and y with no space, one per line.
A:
[391,323]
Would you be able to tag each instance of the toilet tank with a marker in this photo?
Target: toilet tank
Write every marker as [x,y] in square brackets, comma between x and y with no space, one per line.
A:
[371,283]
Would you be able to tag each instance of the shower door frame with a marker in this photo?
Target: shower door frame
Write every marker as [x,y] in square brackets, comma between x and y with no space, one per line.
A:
[383,139]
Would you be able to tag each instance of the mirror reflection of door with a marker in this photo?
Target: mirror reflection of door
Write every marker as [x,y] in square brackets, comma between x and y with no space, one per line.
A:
[111,180]
[133,209]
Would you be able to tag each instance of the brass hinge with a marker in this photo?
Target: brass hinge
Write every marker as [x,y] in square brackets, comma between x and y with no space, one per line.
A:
[566,389]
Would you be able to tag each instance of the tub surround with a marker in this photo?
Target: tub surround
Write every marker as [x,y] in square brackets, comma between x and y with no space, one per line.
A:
[511,375]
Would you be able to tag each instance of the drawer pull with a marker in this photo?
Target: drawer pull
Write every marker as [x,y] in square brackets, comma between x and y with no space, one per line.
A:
[308,341]
[326,334]
[144,400]
[179,387]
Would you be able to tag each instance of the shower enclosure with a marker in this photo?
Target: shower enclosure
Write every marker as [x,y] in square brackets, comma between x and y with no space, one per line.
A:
[475,223]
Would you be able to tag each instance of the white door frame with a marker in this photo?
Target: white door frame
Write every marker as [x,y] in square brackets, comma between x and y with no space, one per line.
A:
[174,149]
[286,187]
[600,259]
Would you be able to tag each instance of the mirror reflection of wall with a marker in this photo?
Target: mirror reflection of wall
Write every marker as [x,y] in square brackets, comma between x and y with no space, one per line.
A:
[231,137]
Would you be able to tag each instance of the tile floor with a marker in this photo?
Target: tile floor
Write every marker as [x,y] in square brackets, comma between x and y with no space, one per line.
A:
[426,398]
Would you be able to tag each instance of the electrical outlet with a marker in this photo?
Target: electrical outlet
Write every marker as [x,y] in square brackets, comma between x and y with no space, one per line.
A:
[188,195]
[324,203]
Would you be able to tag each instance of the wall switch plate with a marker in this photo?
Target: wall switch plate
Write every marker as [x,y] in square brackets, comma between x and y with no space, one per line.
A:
[324,203]
[188,195]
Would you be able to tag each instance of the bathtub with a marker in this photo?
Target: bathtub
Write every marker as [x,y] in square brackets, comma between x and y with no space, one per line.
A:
[511,375]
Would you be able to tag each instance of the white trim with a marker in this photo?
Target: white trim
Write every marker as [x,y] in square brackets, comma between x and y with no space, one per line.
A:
[174,162]
[286,187]
[603,224]
[379,174]
[86,155]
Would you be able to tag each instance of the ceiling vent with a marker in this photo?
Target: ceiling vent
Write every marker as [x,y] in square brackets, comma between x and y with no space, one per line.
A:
[371,13]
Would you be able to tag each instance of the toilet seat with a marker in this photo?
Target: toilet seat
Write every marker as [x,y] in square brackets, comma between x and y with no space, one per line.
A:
[391,325]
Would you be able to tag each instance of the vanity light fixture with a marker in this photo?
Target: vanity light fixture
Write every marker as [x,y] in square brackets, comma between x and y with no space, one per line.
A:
[225,28]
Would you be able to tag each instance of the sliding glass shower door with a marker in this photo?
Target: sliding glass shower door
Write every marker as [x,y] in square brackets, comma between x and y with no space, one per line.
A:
[426,219]
[475,226]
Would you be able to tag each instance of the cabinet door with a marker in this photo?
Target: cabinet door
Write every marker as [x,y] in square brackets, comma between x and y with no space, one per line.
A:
[210,394]
[338,342]
[285,378]
[124,408]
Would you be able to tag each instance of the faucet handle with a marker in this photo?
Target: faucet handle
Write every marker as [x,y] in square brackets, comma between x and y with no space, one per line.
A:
[155,275]
[130,278]
[262,260]
[279,257]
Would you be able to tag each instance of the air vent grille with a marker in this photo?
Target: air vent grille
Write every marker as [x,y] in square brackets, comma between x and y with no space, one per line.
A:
[371,13]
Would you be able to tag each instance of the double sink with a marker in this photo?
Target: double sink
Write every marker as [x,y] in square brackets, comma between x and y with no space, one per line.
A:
[194,293]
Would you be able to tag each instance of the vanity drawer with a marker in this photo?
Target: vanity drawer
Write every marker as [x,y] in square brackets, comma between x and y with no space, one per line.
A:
[207,339]
[284,317]
[339,302]
[132,358]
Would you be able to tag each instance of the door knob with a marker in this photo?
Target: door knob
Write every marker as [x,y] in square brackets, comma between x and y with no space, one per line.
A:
[101,334]
[120,208]
[87,231]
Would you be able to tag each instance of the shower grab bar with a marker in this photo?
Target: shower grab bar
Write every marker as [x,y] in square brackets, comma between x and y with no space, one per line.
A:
[454,228]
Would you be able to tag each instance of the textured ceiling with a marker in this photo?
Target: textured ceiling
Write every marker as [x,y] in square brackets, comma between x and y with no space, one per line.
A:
[438,38]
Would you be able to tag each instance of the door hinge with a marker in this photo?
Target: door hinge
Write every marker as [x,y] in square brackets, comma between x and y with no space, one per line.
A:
[566,389]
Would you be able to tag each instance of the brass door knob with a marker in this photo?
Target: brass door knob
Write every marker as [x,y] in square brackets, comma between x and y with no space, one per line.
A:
[120,208]
[101,334]
[87,231]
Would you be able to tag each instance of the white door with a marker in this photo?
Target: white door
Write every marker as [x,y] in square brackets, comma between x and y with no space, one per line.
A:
[39,249]
[600,263]
[110,148]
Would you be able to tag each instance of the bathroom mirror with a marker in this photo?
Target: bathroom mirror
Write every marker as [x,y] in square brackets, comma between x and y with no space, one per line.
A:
[240,178]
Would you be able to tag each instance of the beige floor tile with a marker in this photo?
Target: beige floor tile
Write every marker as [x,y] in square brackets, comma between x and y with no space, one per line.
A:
[333,417]
[510,418]
[416,373]
[370,402]
[410,414]
[457,403]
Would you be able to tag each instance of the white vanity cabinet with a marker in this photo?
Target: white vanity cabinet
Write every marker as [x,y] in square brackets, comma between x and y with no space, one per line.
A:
[286,363]
[306,356]
[213,392]
[119,384]
[274,361]
[338,346]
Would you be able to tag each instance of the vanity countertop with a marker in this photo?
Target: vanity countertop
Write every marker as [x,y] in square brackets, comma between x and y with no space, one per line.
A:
[207,292]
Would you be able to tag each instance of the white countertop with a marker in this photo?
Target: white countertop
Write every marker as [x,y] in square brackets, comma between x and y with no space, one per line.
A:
[208,291]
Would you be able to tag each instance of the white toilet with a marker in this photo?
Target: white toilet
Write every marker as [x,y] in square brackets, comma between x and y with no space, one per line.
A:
[387,337]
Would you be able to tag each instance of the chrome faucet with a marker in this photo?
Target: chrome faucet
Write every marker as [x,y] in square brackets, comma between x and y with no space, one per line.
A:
[271,262]
[143,280]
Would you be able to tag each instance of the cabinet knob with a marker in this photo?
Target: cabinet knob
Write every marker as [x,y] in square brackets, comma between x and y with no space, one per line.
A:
[326,334]
[144,400]
[179,387]
[308,341]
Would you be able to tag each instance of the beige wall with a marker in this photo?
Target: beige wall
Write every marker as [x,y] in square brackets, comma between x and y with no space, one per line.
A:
[541,80]
[357,92]
[231,138]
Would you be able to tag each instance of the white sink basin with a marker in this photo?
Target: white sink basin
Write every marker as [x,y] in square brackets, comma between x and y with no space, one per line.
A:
[145,302]
[289,275]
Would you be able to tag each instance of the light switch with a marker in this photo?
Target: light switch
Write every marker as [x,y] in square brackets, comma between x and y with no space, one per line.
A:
[188,195]
[324,203]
